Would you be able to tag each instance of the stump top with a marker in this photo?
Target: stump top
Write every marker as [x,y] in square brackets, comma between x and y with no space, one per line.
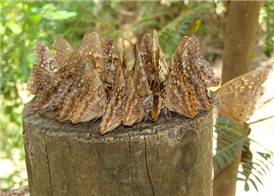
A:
[47,121]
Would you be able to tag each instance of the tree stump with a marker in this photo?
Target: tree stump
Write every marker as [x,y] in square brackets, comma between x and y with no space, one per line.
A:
[168,157]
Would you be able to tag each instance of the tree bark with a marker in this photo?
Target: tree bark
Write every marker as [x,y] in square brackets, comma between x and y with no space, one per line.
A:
[169,157]
[239,47]
[240,38]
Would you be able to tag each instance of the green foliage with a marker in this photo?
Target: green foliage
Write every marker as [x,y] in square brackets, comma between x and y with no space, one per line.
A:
[233,138]
[266,26]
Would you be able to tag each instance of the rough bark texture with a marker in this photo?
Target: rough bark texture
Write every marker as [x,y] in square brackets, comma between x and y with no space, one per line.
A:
[240,38]
[239,47]
[169,157]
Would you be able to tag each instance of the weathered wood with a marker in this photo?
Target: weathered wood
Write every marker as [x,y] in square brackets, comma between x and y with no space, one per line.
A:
[169,157]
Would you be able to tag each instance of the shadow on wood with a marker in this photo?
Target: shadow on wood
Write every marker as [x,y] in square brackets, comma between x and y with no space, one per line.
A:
[169,157]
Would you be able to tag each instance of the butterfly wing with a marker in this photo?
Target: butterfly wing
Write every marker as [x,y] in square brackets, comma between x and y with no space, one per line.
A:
[237,98]
[238,106]
[156,98]
[114,111]
[139,77]
[179,96]
[34,82]
[189,70]
[76,89]
[93,102]
[145,53]
[111,58]
[50,84]
[63,50]
[45,59]
[249,82]
[133,111]
[92,45]
[206,72]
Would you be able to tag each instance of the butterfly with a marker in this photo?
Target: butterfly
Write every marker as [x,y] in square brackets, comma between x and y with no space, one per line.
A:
[179,95]
[133,111]
[93,101]
[51,82]
[145,53]
[76,88]
[92,45]
[156,98]
[236,99]
[189,70]
[203,66]
[115,107]
[63,50]
[111,58]
[45,63]
[139,77]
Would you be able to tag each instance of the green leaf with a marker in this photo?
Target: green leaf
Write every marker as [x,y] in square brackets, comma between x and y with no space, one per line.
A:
[226,156]
[254,184]
[214,165]
[220,159]
[246,187]
[239,179]
[258,179]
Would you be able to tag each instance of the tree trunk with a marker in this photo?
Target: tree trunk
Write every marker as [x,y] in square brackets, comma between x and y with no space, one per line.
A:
[240,38]
[169,157]
[239,47]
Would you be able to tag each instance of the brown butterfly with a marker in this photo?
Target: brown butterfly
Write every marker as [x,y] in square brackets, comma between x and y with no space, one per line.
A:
[92,45]
[114,111]
[139,77]
[236,99]
[51,85]
[179,96]
[133,111]
[189,70]
[156,98]
[63,50]
[46,61]
[203,66]
[76,88]
[111,58]
[93,102]
[145,53]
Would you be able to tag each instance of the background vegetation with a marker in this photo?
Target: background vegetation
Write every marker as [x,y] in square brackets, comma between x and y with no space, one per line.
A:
[24,23]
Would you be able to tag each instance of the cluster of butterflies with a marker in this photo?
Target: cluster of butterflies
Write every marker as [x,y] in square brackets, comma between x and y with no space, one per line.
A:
[95,82]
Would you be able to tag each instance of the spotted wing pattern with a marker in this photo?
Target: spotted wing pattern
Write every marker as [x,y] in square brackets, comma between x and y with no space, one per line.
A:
[189,70]
[63,50]
[76,89]
[133,111]
[93,102]
[46,61]
[139,77]
[112,59]
[114,111]
[92,45]
[236,99]
[145,53]
[179,96]
[156,98]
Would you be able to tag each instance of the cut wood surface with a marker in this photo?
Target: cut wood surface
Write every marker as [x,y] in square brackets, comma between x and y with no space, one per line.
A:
[169,157]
